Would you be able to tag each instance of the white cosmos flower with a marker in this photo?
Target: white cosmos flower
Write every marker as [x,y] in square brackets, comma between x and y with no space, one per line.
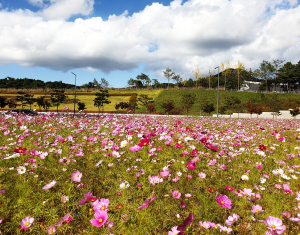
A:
[21,169]
[124,185]
[294,177]
[262,180]
[245,177]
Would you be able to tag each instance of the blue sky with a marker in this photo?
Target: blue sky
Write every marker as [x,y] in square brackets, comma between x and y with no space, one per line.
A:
[118,40]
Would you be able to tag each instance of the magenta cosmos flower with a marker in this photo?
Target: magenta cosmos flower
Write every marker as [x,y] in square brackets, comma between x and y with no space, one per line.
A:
[274,224]
[101,218]
[223,201]
[50,185]
[26,223]
[76,176]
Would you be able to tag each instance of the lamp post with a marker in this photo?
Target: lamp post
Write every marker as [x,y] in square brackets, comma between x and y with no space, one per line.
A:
[75,92]
[218,91]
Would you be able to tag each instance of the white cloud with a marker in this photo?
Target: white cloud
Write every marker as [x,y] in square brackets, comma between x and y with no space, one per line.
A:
[38,3]
[0,5]
[200,33]
[64,9]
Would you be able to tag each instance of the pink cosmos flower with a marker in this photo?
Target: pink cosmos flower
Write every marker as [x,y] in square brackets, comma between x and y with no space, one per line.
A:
[286,214]
[76,176]
[223,201]
[87,197]
[288,191]
[232,219]
[155,179]
[164,173]
[176,194]
[278,186]
[205,225]
[50,185]
[26,223]
[202,175]
[135,148]
[212,162]
[102,205]
[147,202]
[101,218]
[51,229]
[257,209]
[295,219]
[174,231]
[225,229]
[274,224]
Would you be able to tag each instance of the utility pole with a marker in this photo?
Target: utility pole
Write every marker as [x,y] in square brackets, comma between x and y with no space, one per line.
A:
[75,92]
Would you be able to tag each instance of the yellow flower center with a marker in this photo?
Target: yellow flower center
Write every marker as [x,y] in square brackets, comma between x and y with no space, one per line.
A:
[77,175]
[273,226]
[155,181]
[103,208]
[257,209]
[222,202]
[27,223]
[100,220]
[145,143]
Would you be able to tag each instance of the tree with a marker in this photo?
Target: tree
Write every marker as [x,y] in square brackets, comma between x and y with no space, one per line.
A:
[198,75]
[131,82]
[96,83]
[21,98]
[104,83]
[295,111]
[144,79]
[208,108]
[122,105]
[240,67]
[81,106]
[274,103]
[210,73]
[133,105]
[101,99]
[231,102]
[250,107]
[188,100]
[168,106]
[40,101]
[168,74]
[277,65]
[145,100]
[177,79]
[287,74]
[265,72]
[3,102]
[46,105]
[239,108]
[151,108]
[58,97]
[155,82]
[29,100]
[12,103]
[257,110]
[226,70]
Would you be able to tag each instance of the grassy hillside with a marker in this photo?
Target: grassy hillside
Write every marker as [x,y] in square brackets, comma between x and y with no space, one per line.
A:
[161,96]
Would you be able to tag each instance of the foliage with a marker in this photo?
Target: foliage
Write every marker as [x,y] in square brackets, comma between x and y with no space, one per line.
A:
[58,97]
[101,99]
[122,105]
[40,102]
[295,111]
[21,97]
[168,74]
[81,106]
[145,100]
[168,106]
[209,108]
[151,108]
[145,80]
[29,100]
[3,102]
[188,100]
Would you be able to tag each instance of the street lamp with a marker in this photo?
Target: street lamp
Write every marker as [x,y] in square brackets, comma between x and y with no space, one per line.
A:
[218,91]
[75,92]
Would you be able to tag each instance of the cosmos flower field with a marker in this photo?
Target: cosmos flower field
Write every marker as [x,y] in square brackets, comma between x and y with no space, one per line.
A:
[148,175]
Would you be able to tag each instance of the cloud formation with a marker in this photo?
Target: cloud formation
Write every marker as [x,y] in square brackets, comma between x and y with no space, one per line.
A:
[198,33]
